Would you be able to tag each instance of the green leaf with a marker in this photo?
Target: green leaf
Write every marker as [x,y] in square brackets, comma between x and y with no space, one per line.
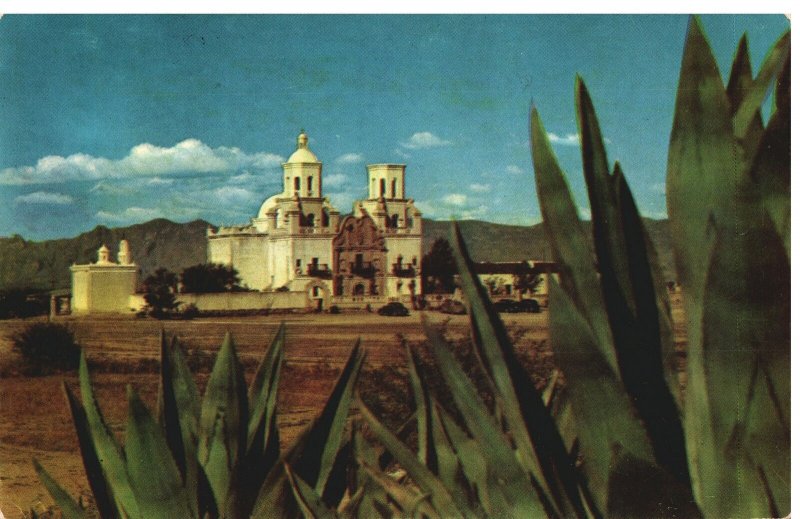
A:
[69,508]
[422,412]
[108,450]
[703,172]
[741,78]
[411,502]
[218,467]
[535,434]
[226,395]
[603,411]
[180,412]
[570,245]
[771,170]
[445,504]
[757,93]
[503,466]
[310,502]
[154,477]
[315,461]
[103,497]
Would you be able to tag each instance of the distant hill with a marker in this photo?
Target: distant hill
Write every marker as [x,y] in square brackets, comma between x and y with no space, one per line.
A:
[488,241]
[157,243]
[175,246]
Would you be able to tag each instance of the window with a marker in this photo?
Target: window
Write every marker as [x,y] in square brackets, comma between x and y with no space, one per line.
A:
[359,261]
[358,290]
[414,261]
[383,187]
[296,184]
[315,292]
[410,222]
[298,262]
[310,186]
[394,188]
[325,218]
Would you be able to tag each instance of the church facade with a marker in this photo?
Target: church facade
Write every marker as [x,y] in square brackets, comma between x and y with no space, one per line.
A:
[298,241]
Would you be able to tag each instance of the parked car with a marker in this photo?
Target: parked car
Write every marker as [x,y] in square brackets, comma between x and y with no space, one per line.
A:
[529,305]
[453,307]
[506,305]
[393,309]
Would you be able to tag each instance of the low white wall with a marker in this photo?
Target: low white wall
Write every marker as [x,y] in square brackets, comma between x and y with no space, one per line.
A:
[246,301]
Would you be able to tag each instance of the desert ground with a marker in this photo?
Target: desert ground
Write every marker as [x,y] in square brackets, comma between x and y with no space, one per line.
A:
[35,422]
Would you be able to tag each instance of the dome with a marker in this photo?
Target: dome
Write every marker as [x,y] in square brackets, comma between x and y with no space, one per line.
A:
[303,154]
[269,204]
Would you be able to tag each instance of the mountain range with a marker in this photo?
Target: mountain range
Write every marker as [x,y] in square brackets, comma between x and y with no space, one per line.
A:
[175,246]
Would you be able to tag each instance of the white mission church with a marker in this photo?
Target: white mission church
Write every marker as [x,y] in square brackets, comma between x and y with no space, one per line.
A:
[299,242]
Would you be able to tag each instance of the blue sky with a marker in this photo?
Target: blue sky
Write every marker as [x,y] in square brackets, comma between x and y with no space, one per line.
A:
[117,119]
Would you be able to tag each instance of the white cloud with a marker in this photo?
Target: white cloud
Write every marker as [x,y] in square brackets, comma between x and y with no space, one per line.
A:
[144,160]
[421,140]
[233,195]
[513,169]
[480,188]
[402,154]
[44,197]
[571,139]
[349,158]
[335,180]
[456,199]
[131,214]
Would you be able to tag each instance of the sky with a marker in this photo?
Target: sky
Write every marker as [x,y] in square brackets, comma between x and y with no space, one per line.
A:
[117,119]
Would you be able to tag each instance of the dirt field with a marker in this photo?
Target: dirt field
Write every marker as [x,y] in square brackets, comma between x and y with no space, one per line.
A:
[34,420]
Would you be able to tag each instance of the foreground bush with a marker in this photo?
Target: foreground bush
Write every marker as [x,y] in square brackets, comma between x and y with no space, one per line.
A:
[210,457]
[47,348]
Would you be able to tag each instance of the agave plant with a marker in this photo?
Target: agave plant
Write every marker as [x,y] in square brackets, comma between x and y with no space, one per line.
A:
[213,457]
[623,440]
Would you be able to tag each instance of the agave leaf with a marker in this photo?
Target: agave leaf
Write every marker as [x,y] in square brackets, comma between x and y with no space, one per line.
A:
[447,465]
[411,502]
[640,489]
[502,464]
[422,400]
[108,450]
[445,503]
[263,391]
[276,498]
[180,412]
[702,173]
[748,265]
[771,165]
[314,463]
[226,394]
[310,502]
[741,78]
[103,497]
[570,245]
[69,508]
[263,443]
[217,465]
[603,413]
[757,93]
[472,459]
[160,492]
[535,434]
[364,453]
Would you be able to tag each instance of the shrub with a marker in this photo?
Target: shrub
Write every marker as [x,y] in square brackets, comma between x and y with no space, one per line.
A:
[47,348]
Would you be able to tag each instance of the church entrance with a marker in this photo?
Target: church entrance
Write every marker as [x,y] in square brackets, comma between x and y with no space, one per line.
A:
[359,258]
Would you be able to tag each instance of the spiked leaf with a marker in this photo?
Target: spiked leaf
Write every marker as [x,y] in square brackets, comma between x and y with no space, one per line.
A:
[532,427]
[226,395]
[445,503]
[411,502]
[69,508]
[103,496]
[159,492]
[310,502]
[108,450]
[603,411]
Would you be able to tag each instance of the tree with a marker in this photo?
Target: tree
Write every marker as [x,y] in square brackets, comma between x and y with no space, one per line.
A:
[527,281]
[209,277]
[160,289]
[439,268]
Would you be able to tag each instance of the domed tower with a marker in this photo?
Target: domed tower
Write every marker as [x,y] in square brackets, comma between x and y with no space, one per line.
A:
[302,173]
[124,254]
[103,255]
